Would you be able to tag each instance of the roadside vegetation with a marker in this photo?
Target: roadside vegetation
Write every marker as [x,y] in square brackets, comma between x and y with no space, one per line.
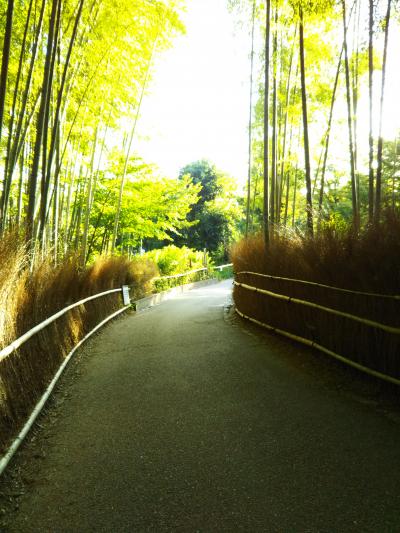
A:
[78,206]
[29,295]
[173,262]
[81,212]
[323,194]
[366,260]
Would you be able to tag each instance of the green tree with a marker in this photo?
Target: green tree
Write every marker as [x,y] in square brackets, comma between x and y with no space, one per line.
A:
[76,74]
[215,217]
[152,207]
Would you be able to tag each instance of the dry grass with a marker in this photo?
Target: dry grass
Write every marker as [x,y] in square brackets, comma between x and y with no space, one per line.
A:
[12,266]
[368,261]
[27,298]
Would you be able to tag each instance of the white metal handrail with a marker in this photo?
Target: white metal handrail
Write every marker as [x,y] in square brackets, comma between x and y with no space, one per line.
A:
[180,275]
[6,458]
[5,352]
[220,267]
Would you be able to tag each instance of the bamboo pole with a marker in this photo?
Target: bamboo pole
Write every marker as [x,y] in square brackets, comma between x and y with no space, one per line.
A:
[306,303]
[313,283]
[321,348]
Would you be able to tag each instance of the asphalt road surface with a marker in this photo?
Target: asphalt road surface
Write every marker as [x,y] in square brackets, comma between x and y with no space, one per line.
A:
[185,418]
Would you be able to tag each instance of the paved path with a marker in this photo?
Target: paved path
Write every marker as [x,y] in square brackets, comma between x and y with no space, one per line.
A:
[183,418]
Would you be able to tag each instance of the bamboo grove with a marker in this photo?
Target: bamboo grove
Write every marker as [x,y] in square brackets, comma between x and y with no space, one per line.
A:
[73,76]
[318,154]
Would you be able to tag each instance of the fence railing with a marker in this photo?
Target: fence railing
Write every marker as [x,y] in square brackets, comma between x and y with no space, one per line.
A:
[11,348]
[166,282]
[20,341]
[321,285]
[189,272]
[5,352]
[176,276]
[290,299]
[369,345]
[222,267]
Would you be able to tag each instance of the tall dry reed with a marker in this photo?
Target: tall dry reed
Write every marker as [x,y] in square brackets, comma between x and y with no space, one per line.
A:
[28,298]
[367,260]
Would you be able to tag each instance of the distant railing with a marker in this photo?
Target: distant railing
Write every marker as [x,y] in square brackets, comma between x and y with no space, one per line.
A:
[222,267]
[5,352]
[189,272]
[166,282]
[175,276]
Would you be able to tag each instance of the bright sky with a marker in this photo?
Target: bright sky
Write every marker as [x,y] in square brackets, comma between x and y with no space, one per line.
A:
[197,102]
[197,106]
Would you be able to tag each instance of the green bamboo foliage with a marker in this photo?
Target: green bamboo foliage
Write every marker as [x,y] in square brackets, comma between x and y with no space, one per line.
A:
[321,58]
[80,85]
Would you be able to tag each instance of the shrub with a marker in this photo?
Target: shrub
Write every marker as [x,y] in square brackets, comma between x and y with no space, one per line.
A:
[365,261]
[173,260]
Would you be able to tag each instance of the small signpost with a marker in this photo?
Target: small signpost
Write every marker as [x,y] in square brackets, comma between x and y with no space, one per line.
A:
[125,295]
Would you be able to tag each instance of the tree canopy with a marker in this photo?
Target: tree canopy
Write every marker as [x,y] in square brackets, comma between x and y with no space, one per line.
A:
[64,104]
[322,69]
[214,219]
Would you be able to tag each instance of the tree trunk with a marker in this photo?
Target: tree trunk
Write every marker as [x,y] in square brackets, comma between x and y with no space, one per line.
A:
[47,108]
[19,136]
[355,91]
[294,196]
[350,122]
[287,100]
[41,125]
[7,181]
[380,138]
[56,208]
[5,60]
[371,105]
[47,170]
[88,200]
[287,178]
[327,139]
[20,190]
[266,123]
[307,165]
[272,202]
[250,121]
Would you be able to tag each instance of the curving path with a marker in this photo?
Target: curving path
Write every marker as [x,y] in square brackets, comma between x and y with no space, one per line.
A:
[184,418]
